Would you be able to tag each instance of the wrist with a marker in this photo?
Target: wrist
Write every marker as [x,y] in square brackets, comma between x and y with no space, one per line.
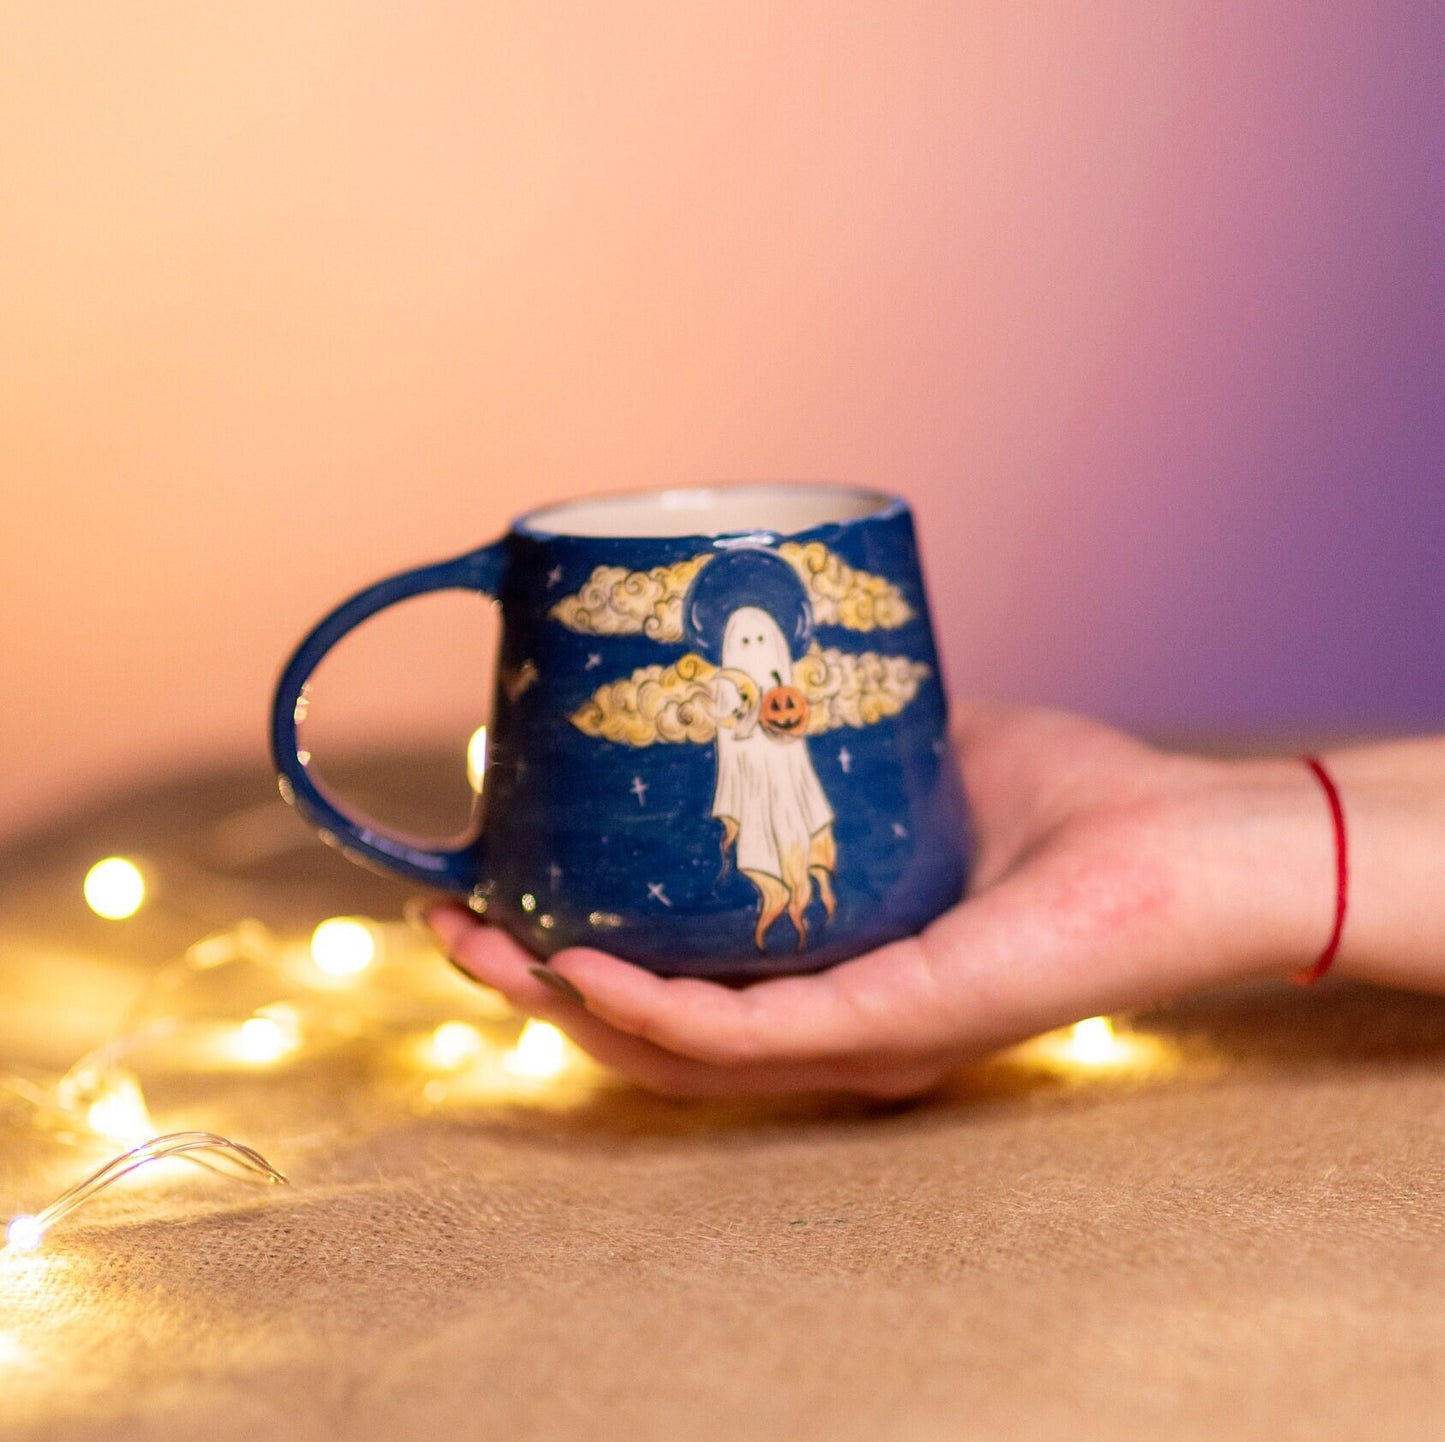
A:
[1265,864]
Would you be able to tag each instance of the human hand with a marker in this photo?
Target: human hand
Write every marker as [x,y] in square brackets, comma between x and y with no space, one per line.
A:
[1108,875]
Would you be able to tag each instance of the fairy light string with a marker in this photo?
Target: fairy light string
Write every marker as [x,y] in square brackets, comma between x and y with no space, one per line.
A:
[216,1153]
[247,999]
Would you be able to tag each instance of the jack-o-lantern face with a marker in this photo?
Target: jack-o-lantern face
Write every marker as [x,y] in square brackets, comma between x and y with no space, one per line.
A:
[784,714]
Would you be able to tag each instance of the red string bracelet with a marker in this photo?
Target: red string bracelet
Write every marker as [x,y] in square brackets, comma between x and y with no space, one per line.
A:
[1342,876]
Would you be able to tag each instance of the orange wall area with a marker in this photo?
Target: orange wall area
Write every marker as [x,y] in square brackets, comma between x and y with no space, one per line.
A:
[294,295]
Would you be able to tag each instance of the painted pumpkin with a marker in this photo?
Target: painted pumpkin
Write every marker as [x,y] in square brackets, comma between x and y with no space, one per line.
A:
[784,713]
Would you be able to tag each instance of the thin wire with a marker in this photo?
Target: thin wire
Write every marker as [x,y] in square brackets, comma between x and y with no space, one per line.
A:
[27,1091]
[204,1148]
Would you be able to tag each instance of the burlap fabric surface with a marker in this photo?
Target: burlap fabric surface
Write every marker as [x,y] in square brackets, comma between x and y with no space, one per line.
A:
[1243,1243]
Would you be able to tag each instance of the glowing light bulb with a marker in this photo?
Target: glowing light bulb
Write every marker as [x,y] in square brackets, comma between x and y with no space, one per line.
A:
[1094,1048]
[13,1352]
[477,757]
[273,1033]
[107,1099]
[24,1234]
[1092,1042]
[343,946]
[119,1111]
[540,1053]
[114,888]
[454,1044]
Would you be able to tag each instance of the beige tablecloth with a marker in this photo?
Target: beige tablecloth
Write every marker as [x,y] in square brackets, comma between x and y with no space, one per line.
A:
[1240,1238]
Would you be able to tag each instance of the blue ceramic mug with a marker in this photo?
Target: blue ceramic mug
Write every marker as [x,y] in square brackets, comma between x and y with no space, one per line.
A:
[719,745]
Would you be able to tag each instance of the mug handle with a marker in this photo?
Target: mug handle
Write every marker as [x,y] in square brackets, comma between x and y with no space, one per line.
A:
[452,870]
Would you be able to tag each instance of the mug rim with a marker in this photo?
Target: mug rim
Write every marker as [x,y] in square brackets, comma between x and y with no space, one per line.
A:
[833,504]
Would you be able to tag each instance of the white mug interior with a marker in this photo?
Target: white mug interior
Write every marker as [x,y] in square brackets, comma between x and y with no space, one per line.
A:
[707,511]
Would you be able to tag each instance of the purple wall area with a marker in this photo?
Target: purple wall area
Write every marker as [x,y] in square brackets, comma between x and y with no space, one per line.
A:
[1242,522]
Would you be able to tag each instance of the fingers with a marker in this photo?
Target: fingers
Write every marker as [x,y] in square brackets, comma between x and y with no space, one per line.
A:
[491,956]
[976,979]
[886,1003]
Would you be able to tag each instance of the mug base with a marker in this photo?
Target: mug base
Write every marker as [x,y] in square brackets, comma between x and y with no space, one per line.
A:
[669,953]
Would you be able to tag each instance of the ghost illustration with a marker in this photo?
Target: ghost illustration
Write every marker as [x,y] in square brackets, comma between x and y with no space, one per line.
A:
[776,819]
[755,685]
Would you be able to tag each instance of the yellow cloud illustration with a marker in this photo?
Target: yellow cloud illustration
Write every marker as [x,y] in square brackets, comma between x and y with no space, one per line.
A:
[849,689]
[617,602]
[657,703]
[679,703]
[841,596]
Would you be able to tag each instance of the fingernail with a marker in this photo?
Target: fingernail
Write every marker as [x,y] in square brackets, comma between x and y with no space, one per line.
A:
[414,912]
[460,970]
[558,983]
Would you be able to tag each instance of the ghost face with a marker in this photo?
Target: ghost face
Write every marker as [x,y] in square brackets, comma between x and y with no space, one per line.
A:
[754,643]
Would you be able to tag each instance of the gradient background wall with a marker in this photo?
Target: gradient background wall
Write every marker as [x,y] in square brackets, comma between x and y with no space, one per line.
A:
[1139,302]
